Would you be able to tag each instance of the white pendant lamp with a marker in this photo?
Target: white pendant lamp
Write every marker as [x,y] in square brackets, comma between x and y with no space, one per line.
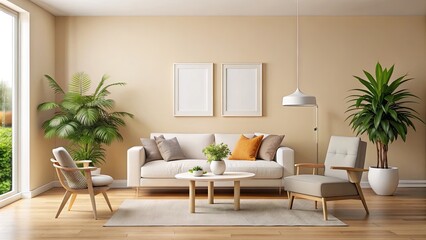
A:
[298,98]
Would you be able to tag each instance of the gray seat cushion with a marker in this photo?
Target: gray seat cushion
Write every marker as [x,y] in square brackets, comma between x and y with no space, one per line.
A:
[162,169]
[319,186]
[101,180]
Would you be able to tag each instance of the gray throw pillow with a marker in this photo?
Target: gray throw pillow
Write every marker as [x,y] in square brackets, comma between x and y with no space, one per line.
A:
[269,147]
[151,150]
[169,148]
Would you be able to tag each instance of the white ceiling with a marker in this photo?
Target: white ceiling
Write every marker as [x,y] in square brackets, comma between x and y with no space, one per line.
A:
[231,7]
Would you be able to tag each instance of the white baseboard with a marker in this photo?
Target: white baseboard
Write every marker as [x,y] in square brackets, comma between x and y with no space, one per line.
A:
[119,184]
[53,184]
[40,190]
[401,184]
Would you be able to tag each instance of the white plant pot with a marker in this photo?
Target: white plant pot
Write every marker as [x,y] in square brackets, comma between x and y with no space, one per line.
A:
[383,181]
[218,167]
[198,173]
[97,171]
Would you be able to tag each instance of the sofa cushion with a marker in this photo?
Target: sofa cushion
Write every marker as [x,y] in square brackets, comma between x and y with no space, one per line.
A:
[320,186]
[230,139]
[169,148]
[268,147]
[166,170]
[191,144]
[246,148]
[151,149]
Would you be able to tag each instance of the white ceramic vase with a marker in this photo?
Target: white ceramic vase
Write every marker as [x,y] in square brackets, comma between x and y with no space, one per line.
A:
[218,167]
[383,181]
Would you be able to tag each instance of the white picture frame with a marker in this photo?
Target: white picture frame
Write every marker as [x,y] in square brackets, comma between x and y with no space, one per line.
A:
[242,89]
[193,89]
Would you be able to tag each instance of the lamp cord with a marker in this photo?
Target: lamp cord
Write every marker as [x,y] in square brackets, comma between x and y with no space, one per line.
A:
[297,43]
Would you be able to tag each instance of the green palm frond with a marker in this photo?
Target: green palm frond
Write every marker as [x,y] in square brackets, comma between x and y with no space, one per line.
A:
[104,91]
[80,83]
[101,84]
[54,85]
[87,116]
[47,106]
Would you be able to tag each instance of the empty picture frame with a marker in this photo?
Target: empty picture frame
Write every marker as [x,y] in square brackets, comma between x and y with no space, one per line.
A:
[193,89]
[242,89]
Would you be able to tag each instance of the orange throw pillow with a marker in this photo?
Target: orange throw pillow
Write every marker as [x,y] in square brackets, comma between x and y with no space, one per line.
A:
[246,148]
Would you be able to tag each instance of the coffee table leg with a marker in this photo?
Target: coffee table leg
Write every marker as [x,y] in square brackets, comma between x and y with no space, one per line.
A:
[192,196]
[210,192]
[236,195]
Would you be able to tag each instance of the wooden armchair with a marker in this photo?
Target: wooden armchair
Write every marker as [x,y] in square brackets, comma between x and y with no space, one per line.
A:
[344,153]
[75,182]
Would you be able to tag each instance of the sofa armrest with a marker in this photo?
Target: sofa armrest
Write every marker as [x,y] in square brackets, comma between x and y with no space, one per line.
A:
[285,157]
[135,160]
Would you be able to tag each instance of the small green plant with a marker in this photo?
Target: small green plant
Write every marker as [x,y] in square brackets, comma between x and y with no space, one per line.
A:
[216,152]
[196,168]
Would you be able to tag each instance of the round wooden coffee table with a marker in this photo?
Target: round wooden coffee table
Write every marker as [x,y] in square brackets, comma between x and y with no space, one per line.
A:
[211,178]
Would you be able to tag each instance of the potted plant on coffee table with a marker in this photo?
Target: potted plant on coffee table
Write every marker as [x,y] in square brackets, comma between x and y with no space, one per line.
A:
[85,120]
[381,110]
[215,154]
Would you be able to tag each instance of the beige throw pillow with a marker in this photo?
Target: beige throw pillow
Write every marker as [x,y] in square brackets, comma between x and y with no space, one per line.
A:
[169,148]
[269,147]
[151,150]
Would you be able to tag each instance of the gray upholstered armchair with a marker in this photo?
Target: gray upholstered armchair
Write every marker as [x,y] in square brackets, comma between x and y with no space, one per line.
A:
[343,169]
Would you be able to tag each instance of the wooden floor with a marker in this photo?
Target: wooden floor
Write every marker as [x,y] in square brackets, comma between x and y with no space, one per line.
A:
[402,216]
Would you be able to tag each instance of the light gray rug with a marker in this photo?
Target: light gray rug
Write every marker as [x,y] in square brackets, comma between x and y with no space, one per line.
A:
[259,212]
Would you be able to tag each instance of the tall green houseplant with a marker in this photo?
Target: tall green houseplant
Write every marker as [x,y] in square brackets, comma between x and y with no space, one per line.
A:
[381,110]
[85,120]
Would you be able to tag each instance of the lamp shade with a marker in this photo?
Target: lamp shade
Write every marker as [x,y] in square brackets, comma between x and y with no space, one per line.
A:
[299,99]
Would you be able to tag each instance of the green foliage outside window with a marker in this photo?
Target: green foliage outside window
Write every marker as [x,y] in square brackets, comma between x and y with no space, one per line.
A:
[5,160]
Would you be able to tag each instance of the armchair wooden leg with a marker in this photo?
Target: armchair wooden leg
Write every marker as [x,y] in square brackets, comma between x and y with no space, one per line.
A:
[64,201]
[324,209]
[74,196]
[290,202]
[316,205]
[361,195]
[107,200]
[92,199]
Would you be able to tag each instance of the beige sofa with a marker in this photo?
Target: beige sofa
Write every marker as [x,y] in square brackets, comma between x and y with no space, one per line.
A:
[160,173]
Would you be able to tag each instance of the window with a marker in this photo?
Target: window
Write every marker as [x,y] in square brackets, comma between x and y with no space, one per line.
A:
[8,82]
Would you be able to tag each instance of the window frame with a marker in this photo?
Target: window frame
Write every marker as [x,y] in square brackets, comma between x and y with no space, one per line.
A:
[15,104]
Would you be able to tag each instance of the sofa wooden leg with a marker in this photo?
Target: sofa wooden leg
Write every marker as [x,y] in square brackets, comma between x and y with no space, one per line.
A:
[324,209]
[290,202]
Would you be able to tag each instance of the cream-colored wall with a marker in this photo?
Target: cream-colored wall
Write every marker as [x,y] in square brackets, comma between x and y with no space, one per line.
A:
[141,51]
[42,61]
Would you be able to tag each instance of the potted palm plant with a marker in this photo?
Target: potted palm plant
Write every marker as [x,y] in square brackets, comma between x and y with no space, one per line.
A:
[215,154]
[85,120]
[381,111]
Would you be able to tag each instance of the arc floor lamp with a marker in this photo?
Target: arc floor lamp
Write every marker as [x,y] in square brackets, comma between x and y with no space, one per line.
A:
[298,98]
